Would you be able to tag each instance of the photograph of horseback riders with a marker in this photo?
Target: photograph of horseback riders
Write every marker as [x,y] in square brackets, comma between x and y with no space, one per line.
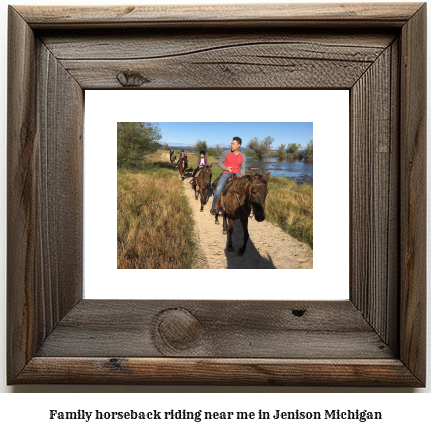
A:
[215,195]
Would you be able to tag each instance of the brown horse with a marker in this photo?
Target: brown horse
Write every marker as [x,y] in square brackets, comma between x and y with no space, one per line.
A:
[236,202]
[182,168]
[202,182]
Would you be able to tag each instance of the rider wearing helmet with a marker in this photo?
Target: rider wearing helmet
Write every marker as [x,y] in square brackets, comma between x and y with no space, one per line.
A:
[183,155]
[202,161]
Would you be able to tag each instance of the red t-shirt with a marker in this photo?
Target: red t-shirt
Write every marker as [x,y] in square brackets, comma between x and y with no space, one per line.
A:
[233,161]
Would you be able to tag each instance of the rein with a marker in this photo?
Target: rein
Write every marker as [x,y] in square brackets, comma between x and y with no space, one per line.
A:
[248,215]
[251,214]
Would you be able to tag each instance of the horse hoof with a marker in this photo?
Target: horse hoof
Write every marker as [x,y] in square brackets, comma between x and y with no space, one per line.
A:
[224,232]
[217,222]
[202,210]
[240,253]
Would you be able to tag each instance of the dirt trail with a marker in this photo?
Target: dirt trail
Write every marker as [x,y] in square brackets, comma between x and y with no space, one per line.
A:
[268,247]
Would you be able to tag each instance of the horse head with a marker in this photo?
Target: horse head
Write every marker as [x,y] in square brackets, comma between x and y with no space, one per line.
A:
[258,189]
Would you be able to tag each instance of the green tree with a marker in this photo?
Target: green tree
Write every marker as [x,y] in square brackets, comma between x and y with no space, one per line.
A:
[293,151]
[219,149]
[134,141]
[308,153]
[260,148]
[281,152]
[199,146]
[166,146]
[211,151]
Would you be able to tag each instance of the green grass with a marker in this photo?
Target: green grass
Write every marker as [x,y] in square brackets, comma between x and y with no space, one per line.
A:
[291,207]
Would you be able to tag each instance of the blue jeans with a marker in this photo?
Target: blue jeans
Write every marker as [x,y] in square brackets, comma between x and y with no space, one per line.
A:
[220,185]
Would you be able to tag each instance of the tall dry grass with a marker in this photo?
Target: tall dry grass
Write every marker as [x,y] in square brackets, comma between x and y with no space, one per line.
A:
[291,207]
[154,223]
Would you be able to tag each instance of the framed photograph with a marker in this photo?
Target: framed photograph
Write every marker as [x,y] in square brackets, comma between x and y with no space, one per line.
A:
[376,337]
[256,114]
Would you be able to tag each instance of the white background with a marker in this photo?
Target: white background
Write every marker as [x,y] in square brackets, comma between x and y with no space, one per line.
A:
[329,113]
[401,409]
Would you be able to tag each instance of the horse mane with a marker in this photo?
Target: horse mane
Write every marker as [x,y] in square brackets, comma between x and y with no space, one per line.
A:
[240,185]
[260,178]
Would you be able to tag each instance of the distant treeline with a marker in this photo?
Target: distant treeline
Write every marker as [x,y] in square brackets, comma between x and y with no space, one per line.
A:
[135,140]
[200,145]
[293,151]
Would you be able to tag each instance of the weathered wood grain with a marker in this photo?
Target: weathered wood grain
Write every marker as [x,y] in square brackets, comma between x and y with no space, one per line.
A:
[59,171]
[139,44]
[373,226]
[199,71]
[45,105]
[221,60]
[254,15]
[392,300]
[217,371]
[226,329]
[376,338]
[21,194]
[228,68]
[413,194]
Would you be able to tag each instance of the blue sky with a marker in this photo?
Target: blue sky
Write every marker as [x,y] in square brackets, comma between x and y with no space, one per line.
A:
[188,133]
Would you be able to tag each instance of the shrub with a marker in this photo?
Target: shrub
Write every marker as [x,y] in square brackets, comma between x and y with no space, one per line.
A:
[134,141]
[199,146]
[260,148]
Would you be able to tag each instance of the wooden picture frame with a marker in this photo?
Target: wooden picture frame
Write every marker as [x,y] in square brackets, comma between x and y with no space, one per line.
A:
[376,338]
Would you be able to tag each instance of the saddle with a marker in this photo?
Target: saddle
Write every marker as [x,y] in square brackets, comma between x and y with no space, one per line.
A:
[237,184]
[229,181]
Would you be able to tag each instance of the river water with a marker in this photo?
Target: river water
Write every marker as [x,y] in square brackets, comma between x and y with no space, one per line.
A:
[297,170]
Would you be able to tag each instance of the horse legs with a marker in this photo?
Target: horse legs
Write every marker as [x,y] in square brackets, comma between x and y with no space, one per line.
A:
[202,200]
[244,223]
[229,236]
[224,223]
[216,216]
[196,190]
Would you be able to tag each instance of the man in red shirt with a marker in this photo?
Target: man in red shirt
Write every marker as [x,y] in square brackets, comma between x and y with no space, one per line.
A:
[231,162]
